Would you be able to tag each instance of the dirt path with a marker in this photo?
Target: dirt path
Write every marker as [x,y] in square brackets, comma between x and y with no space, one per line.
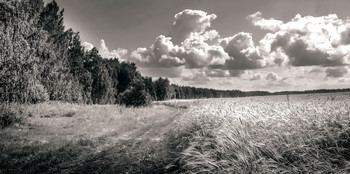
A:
[97,139]
[154,128]
[143,150]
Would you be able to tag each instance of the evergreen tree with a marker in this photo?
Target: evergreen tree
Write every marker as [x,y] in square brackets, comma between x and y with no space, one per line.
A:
[162,88]
[102,90]
[150,87]
[21,44]
[55,73]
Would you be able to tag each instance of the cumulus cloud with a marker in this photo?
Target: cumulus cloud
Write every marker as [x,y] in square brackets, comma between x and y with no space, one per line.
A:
[336,72]
[242,51]
[189,21]
[106,53]
[189,43]
[302,42]
[255,77]
[163,53]
[305,41]
[192,44]
[271,76]
[87,46]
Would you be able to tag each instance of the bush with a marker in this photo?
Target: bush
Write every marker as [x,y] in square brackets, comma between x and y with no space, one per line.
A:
[135,96]
[10,114]
[38,94]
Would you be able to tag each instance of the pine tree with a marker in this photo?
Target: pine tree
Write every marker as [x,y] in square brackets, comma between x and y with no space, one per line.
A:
[21,45]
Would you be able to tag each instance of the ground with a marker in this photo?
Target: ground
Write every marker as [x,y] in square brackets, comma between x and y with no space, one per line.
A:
[61,137]
[270,134]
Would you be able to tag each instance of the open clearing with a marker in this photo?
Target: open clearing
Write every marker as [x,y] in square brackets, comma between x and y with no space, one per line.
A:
[308,134]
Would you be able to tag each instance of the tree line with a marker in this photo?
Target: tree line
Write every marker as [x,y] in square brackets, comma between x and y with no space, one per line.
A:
[40,60]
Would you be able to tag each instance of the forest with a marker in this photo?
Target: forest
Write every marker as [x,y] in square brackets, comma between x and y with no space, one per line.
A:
[41,60]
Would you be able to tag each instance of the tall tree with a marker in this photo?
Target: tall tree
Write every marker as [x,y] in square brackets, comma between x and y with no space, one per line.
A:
[127,75]
[102,90]
[55,68]
[162,88]
[21,44]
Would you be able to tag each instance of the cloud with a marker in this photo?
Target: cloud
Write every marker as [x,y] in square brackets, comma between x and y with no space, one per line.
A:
[336,72]
[106,53]
[192,44]
[255,77]
[316,70]
[215,72]
[305,41]
[189,21]
[197,77]
[266,24]
[189,43]
[342,80]
[87,46]
[272,76]
[163,53]
[236,73]
[161,72]
[242,51]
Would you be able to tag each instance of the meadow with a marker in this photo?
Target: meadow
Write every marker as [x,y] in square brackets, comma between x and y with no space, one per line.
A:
[270,134]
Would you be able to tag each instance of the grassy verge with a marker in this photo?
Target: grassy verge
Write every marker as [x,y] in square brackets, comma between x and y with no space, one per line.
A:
[307,134]
[69,138]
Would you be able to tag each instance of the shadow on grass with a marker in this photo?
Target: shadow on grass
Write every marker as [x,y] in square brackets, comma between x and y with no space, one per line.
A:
[126,156]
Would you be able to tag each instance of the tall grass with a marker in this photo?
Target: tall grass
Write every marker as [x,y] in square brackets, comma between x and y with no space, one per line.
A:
[262,135]
[305,134]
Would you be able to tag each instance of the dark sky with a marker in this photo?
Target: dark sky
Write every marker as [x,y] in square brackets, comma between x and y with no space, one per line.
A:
[131,24]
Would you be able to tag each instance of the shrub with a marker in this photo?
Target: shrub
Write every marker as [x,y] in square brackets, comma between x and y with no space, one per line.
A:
[38,94]
[135,96]
[10,114]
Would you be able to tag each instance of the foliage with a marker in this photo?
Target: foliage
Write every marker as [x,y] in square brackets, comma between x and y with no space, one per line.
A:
[41,60]
[135,95]
[10,114]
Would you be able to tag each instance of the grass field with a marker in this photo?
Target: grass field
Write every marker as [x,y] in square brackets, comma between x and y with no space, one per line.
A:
[307,134]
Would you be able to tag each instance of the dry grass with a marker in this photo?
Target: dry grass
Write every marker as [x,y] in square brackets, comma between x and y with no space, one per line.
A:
[69,138]
[240,135]
[261,135]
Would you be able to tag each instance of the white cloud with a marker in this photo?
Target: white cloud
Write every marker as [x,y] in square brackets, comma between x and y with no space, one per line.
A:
[192,44]
[189,21]
[266,24]
[106,53]
[242,51]
[305,41]
[87,46]
[163,53]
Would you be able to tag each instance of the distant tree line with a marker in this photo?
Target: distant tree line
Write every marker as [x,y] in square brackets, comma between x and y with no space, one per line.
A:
[40,60]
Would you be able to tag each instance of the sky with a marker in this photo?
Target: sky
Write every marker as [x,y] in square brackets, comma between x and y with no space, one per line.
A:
[271,45]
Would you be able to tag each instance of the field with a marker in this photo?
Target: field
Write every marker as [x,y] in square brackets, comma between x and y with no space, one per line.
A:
[271,134]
